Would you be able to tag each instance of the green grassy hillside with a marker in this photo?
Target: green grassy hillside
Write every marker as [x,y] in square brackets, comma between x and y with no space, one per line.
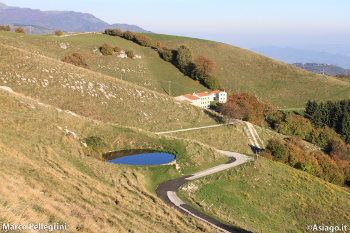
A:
[240,70]
[93,94]
[150,71]
[56,107]
[271,81]
[47,178]
[265,196]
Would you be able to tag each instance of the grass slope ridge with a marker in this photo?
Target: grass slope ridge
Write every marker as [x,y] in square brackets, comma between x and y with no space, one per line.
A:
[271,81]
[55,182]
[95,95]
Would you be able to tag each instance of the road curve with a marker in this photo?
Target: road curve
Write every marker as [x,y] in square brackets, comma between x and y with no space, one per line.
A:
[167,191]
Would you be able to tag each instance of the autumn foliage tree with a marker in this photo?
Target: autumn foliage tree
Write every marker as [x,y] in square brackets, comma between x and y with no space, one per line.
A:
[247,107]
[76,59]
[20,30]
[203,67]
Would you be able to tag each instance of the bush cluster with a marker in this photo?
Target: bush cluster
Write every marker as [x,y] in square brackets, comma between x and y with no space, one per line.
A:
[5,28]
[247,107]
[106,49]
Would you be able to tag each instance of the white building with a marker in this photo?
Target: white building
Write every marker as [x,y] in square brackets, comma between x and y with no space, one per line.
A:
[203,99]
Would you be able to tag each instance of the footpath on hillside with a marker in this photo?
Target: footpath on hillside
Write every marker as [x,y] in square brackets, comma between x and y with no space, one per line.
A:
[167,190]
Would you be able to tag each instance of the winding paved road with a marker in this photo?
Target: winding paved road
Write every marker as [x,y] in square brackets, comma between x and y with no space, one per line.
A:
[167,191]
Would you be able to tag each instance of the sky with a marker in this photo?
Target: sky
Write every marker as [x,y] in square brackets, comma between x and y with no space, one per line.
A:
[243,23]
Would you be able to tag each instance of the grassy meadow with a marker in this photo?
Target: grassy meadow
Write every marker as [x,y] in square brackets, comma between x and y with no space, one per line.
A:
[264,196]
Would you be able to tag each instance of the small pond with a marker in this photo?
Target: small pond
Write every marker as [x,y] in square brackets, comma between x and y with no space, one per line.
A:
[139,157]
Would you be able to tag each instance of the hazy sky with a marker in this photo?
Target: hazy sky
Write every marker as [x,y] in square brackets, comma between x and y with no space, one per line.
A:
[244,23]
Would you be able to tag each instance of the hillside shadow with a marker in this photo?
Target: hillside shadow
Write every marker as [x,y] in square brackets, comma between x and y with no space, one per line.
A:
[213,115]
[256,149]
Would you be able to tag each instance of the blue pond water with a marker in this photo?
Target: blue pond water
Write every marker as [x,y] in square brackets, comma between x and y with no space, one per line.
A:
[139,157]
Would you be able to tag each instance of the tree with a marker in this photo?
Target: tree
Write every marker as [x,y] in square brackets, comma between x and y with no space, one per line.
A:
[20,30]
[184,58]
[345,127]
[106,49]
[211,82]
[278,149]
[58,33]
[310,109]
[76,59]
[203,67]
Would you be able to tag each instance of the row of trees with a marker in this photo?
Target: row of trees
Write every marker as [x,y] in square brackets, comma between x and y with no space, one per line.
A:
[142,40]
[200,68]
[333,114]
[292,152]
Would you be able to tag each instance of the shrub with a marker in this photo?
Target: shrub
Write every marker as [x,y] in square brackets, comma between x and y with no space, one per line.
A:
[130,54]
[106,49]
[168,54]
[20,30]
[5,28]
[129,35]
[58,33]
[76,59]
[113,32]
[159,45]
[117,49]
[117,32]
[144,40]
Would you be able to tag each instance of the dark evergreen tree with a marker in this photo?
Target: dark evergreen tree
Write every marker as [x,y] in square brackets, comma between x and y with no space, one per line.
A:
[310,109]
[345,128]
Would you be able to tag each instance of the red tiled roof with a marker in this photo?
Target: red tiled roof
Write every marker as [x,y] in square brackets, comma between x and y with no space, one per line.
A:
[191,97]
[202,94]
[187,101]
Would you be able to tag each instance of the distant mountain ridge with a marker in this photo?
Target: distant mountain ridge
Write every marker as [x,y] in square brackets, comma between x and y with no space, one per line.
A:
[69,21]
[326,69]
[292,55]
